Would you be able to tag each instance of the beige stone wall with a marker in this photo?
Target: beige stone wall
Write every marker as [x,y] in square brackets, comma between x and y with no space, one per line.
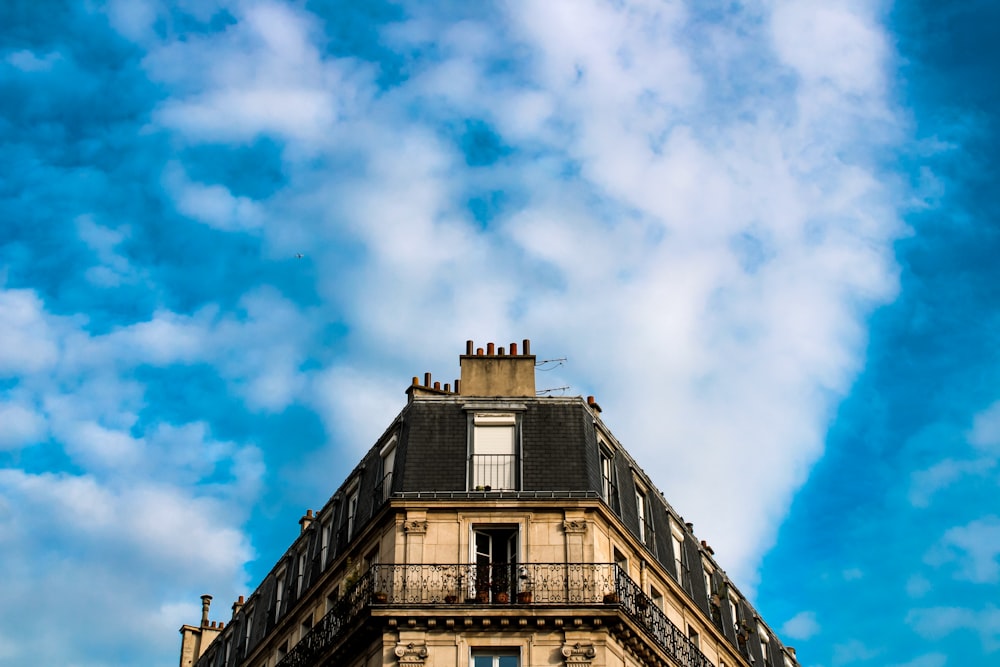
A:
[498,375]
[581,531]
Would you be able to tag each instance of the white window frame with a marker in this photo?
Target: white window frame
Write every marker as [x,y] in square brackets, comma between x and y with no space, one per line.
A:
[494,434]
[326,534]
[388,456]
[351,508]
[641,502]
[279,593]
[765,645]
[248,629]
[734,611]
[495,652]
[300,579]
[677,544]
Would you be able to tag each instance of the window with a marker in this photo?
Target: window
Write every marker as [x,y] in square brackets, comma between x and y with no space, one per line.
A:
[388,465]
[693,636]
[279,594]
[608,490]
[332,598]
[765,645]
[495,658]
[712,590]
[306,627]
[621,561]
[657,597]
[249,630]
[326,527]
[352,510]
[678,545]
[640,508]
[495,554]
[734,611]
[493,453]
[301,578]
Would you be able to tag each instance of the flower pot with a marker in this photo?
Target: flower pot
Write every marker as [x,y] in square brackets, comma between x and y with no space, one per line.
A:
[379,597]
[483,597]
[524,597]
[502,597]
[450,599]
[611,598]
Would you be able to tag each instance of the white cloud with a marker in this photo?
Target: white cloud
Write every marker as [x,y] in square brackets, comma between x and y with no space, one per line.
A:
[88,550]
[801,626]
[213,205]
[974,547]
[928,660]
[943,474]
[985,433]
[19,425]
[935,623]
[831,42]
[853,651]
[27,334]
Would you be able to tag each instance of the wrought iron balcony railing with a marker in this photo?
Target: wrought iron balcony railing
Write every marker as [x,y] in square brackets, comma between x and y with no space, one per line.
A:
[493,471]
[555,584]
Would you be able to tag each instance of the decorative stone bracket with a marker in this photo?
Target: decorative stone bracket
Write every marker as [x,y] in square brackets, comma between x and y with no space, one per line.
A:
[411,654]
[578,654]
[575,526]
[415,527]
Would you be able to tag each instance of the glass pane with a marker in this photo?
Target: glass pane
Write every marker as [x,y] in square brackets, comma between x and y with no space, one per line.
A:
[508,661]
[482,661]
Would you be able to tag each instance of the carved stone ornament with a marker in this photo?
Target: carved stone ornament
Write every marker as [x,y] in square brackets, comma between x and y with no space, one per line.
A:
[415,527]
[411,654]
[575,526]
[578,654]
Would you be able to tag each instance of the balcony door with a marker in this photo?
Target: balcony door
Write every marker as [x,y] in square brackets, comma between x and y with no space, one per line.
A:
[495,558]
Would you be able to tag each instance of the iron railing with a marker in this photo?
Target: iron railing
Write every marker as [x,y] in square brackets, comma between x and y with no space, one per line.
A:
[383,489]
[557,584]
[493,472]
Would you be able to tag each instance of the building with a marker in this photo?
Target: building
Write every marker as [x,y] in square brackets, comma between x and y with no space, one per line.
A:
[490,527]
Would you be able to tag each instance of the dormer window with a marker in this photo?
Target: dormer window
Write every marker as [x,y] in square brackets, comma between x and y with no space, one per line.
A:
[352,510]
[609,490]
[640,509]
[494,455]
[388,455]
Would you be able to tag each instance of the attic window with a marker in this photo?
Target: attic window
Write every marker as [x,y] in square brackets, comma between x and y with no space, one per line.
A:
[493,455]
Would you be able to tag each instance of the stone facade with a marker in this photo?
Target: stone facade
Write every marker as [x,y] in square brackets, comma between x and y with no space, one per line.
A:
[497,528]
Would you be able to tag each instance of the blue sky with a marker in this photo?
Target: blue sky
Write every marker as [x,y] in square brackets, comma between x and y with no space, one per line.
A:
[763,235]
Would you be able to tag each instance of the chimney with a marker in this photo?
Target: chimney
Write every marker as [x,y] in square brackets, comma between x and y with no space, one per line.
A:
[496,373]
[238,605]
[306,521]
[206,602]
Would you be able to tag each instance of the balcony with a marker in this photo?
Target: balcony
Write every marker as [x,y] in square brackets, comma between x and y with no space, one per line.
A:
[493,471]
[472,586]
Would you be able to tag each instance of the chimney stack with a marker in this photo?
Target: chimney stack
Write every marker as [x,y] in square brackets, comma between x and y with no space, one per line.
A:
[206,602]
[306,521]
[497,372]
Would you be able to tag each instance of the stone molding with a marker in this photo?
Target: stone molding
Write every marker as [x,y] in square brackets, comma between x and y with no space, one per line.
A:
[411,654]
[415,527]
[575,526]
[578,654]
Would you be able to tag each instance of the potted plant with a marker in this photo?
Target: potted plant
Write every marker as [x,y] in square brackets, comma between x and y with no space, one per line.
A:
[483,596]
[611,598]
[450,599]
[380,597]
[503,597]
[524,597]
